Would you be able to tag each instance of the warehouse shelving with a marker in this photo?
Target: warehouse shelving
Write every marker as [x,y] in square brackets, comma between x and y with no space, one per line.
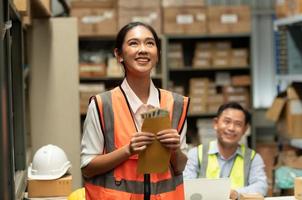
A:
[288,21]
[181,75]
[288,50]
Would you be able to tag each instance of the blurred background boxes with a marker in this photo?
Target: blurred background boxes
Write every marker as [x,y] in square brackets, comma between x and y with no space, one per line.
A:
[87,91]
[181,3]
[286,8]
[229,19]
[175,56]
[93,16]
[184,20]
[286,111]
[148,12]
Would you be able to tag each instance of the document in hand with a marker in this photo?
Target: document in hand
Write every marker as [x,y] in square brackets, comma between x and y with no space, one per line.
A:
[156,158]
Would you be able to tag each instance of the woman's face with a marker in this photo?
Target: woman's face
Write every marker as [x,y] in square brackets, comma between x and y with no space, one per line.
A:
[139,52]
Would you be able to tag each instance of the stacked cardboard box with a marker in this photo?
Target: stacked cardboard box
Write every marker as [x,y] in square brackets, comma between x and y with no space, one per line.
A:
[199,88]
[181,3]
[206,132]
[95,18]
[214,101]
[221,54]
[298,188]
[237,94]
[203,55]
[184,20]
[229,19]
[269,153]
[286,111]
[89,70]
[87,91]
[286,8]
[241,80]
[239,57]
[175,56]
[184,17]
[148,12]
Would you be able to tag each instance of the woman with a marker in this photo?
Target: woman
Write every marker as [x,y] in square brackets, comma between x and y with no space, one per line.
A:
[112,131]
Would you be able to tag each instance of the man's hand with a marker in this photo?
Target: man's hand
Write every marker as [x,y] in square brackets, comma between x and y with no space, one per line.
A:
[234,194]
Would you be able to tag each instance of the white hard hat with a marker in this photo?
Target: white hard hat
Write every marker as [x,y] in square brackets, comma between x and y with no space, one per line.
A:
[49,162]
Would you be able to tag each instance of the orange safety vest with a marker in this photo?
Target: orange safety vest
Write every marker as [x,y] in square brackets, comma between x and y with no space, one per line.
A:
[117,123]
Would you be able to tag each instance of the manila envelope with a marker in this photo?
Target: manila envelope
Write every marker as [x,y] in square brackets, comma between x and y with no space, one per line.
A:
[155,158]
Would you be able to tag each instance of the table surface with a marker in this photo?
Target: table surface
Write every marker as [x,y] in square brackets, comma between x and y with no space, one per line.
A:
[281,198]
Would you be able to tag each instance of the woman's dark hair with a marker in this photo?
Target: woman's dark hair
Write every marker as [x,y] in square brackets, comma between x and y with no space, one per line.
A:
[237,106]
[122,33]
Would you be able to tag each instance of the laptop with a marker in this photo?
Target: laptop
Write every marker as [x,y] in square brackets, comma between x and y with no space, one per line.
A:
[207,189]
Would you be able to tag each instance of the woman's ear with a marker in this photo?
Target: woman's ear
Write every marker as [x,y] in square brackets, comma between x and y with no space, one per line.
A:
[118,56]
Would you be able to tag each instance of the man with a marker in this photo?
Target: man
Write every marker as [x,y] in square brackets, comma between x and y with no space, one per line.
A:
[225,157]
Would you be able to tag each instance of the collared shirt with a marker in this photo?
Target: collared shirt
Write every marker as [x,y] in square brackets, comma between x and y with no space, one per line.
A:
[93,140]
[257,181]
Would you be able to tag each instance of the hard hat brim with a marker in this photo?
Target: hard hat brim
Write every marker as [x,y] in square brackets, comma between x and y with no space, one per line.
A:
[48,176]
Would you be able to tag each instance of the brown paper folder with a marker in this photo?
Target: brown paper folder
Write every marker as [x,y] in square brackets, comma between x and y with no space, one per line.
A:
[156,158]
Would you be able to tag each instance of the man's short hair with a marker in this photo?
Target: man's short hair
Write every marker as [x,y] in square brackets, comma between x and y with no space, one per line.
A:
[237,106]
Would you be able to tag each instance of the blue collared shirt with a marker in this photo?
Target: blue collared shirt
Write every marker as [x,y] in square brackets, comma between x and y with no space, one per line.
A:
[257,182]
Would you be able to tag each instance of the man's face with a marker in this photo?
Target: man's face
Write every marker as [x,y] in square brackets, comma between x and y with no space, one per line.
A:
[230,127]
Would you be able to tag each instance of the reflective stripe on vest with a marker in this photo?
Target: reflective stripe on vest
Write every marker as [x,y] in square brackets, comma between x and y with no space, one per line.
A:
[209,166]
[118,125]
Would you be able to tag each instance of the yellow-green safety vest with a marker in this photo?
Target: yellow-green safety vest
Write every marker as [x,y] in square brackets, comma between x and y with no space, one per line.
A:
[209,167]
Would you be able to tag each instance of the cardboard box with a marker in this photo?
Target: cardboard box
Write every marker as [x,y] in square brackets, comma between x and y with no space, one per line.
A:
[201,63]
[199,83]
[241,80]
[229,19]
[148,12]
[197,108]
[287,8]
[298,188]
[138,4]
[213,107]
[286,111]
[251,196]
[87,91]
[94,16]
[222,62]
[239,53]
[184,20]
[50,188]
[238,62]
[22,6]
[151,16]
[280,8]
[88,70]
[181,3]
[269,153]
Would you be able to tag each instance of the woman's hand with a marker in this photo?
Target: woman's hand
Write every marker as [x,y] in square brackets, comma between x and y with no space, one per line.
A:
[140,141]
[169,138]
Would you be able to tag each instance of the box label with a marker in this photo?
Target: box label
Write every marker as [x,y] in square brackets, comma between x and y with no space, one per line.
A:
[93,19]
[184,19]
[229,18]
[296,107]
[145,19]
